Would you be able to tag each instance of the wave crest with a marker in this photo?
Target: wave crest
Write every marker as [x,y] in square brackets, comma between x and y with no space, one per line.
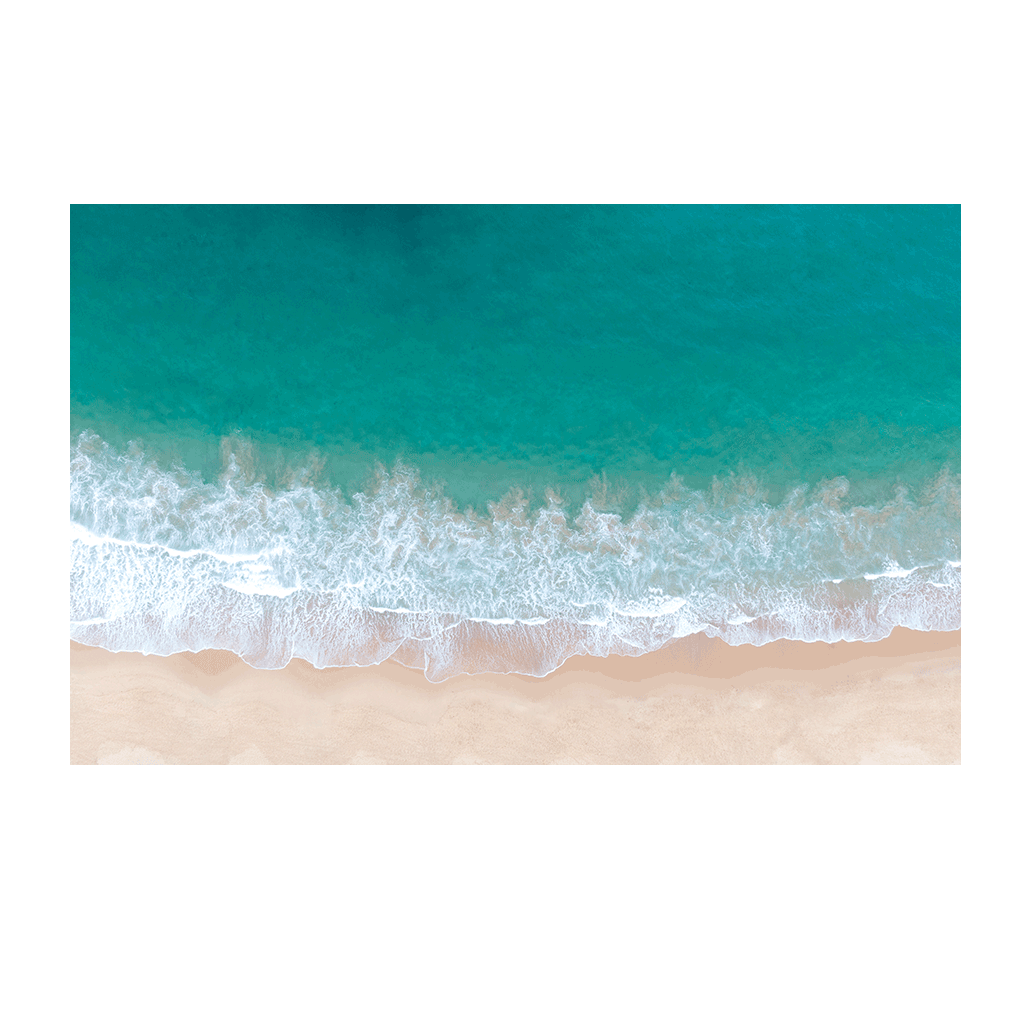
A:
[163,561]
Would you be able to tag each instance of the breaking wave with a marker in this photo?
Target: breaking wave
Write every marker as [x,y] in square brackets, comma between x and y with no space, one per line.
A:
[164,562]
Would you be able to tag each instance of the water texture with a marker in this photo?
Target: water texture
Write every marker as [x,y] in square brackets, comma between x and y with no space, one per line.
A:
[487,438]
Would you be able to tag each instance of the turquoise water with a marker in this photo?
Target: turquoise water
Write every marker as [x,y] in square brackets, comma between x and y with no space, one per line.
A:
[492,436]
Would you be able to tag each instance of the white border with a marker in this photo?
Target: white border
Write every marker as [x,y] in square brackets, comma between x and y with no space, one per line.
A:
[394,896]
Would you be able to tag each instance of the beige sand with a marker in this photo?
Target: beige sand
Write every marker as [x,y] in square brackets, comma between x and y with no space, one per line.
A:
[697,701]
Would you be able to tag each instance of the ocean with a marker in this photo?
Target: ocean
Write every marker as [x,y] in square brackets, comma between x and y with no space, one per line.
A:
[488,438]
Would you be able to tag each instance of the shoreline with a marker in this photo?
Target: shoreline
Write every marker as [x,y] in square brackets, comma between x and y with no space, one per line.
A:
[697,700]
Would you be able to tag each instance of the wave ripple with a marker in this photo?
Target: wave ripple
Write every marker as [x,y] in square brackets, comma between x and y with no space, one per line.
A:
[163,562]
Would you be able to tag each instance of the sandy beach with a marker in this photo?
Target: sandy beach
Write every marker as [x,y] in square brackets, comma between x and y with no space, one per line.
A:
[697,701]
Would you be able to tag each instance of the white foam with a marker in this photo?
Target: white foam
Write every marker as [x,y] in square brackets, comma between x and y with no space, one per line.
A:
[262,589]
[83,535]
[894,571]
[163,562]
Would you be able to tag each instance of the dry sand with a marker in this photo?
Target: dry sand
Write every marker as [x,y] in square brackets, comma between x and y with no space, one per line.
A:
[697,701]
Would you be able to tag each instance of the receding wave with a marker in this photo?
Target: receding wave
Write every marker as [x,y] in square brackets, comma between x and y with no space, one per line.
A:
[163,562]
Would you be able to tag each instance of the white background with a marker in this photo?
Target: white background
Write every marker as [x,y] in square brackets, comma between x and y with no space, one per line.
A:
[511,896]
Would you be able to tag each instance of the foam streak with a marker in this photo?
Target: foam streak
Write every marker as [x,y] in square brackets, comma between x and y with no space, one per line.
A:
[164,562]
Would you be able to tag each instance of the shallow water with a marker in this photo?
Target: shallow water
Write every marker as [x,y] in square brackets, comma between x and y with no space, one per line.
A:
[439,433]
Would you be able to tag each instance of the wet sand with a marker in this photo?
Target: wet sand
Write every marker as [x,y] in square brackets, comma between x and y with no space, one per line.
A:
[697,701]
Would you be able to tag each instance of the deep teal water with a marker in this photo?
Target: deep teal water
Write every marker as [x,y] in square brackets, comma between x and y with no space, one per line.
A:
[795,342]
[492,347]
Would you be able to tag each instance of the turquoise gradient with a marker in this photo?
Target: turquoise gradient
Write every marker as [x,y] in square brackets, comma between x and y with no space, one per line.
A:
[528,345]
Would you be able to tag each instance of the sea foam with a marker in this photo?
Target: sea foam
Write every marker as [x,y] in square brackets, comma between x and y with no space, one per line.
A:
[164,562]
